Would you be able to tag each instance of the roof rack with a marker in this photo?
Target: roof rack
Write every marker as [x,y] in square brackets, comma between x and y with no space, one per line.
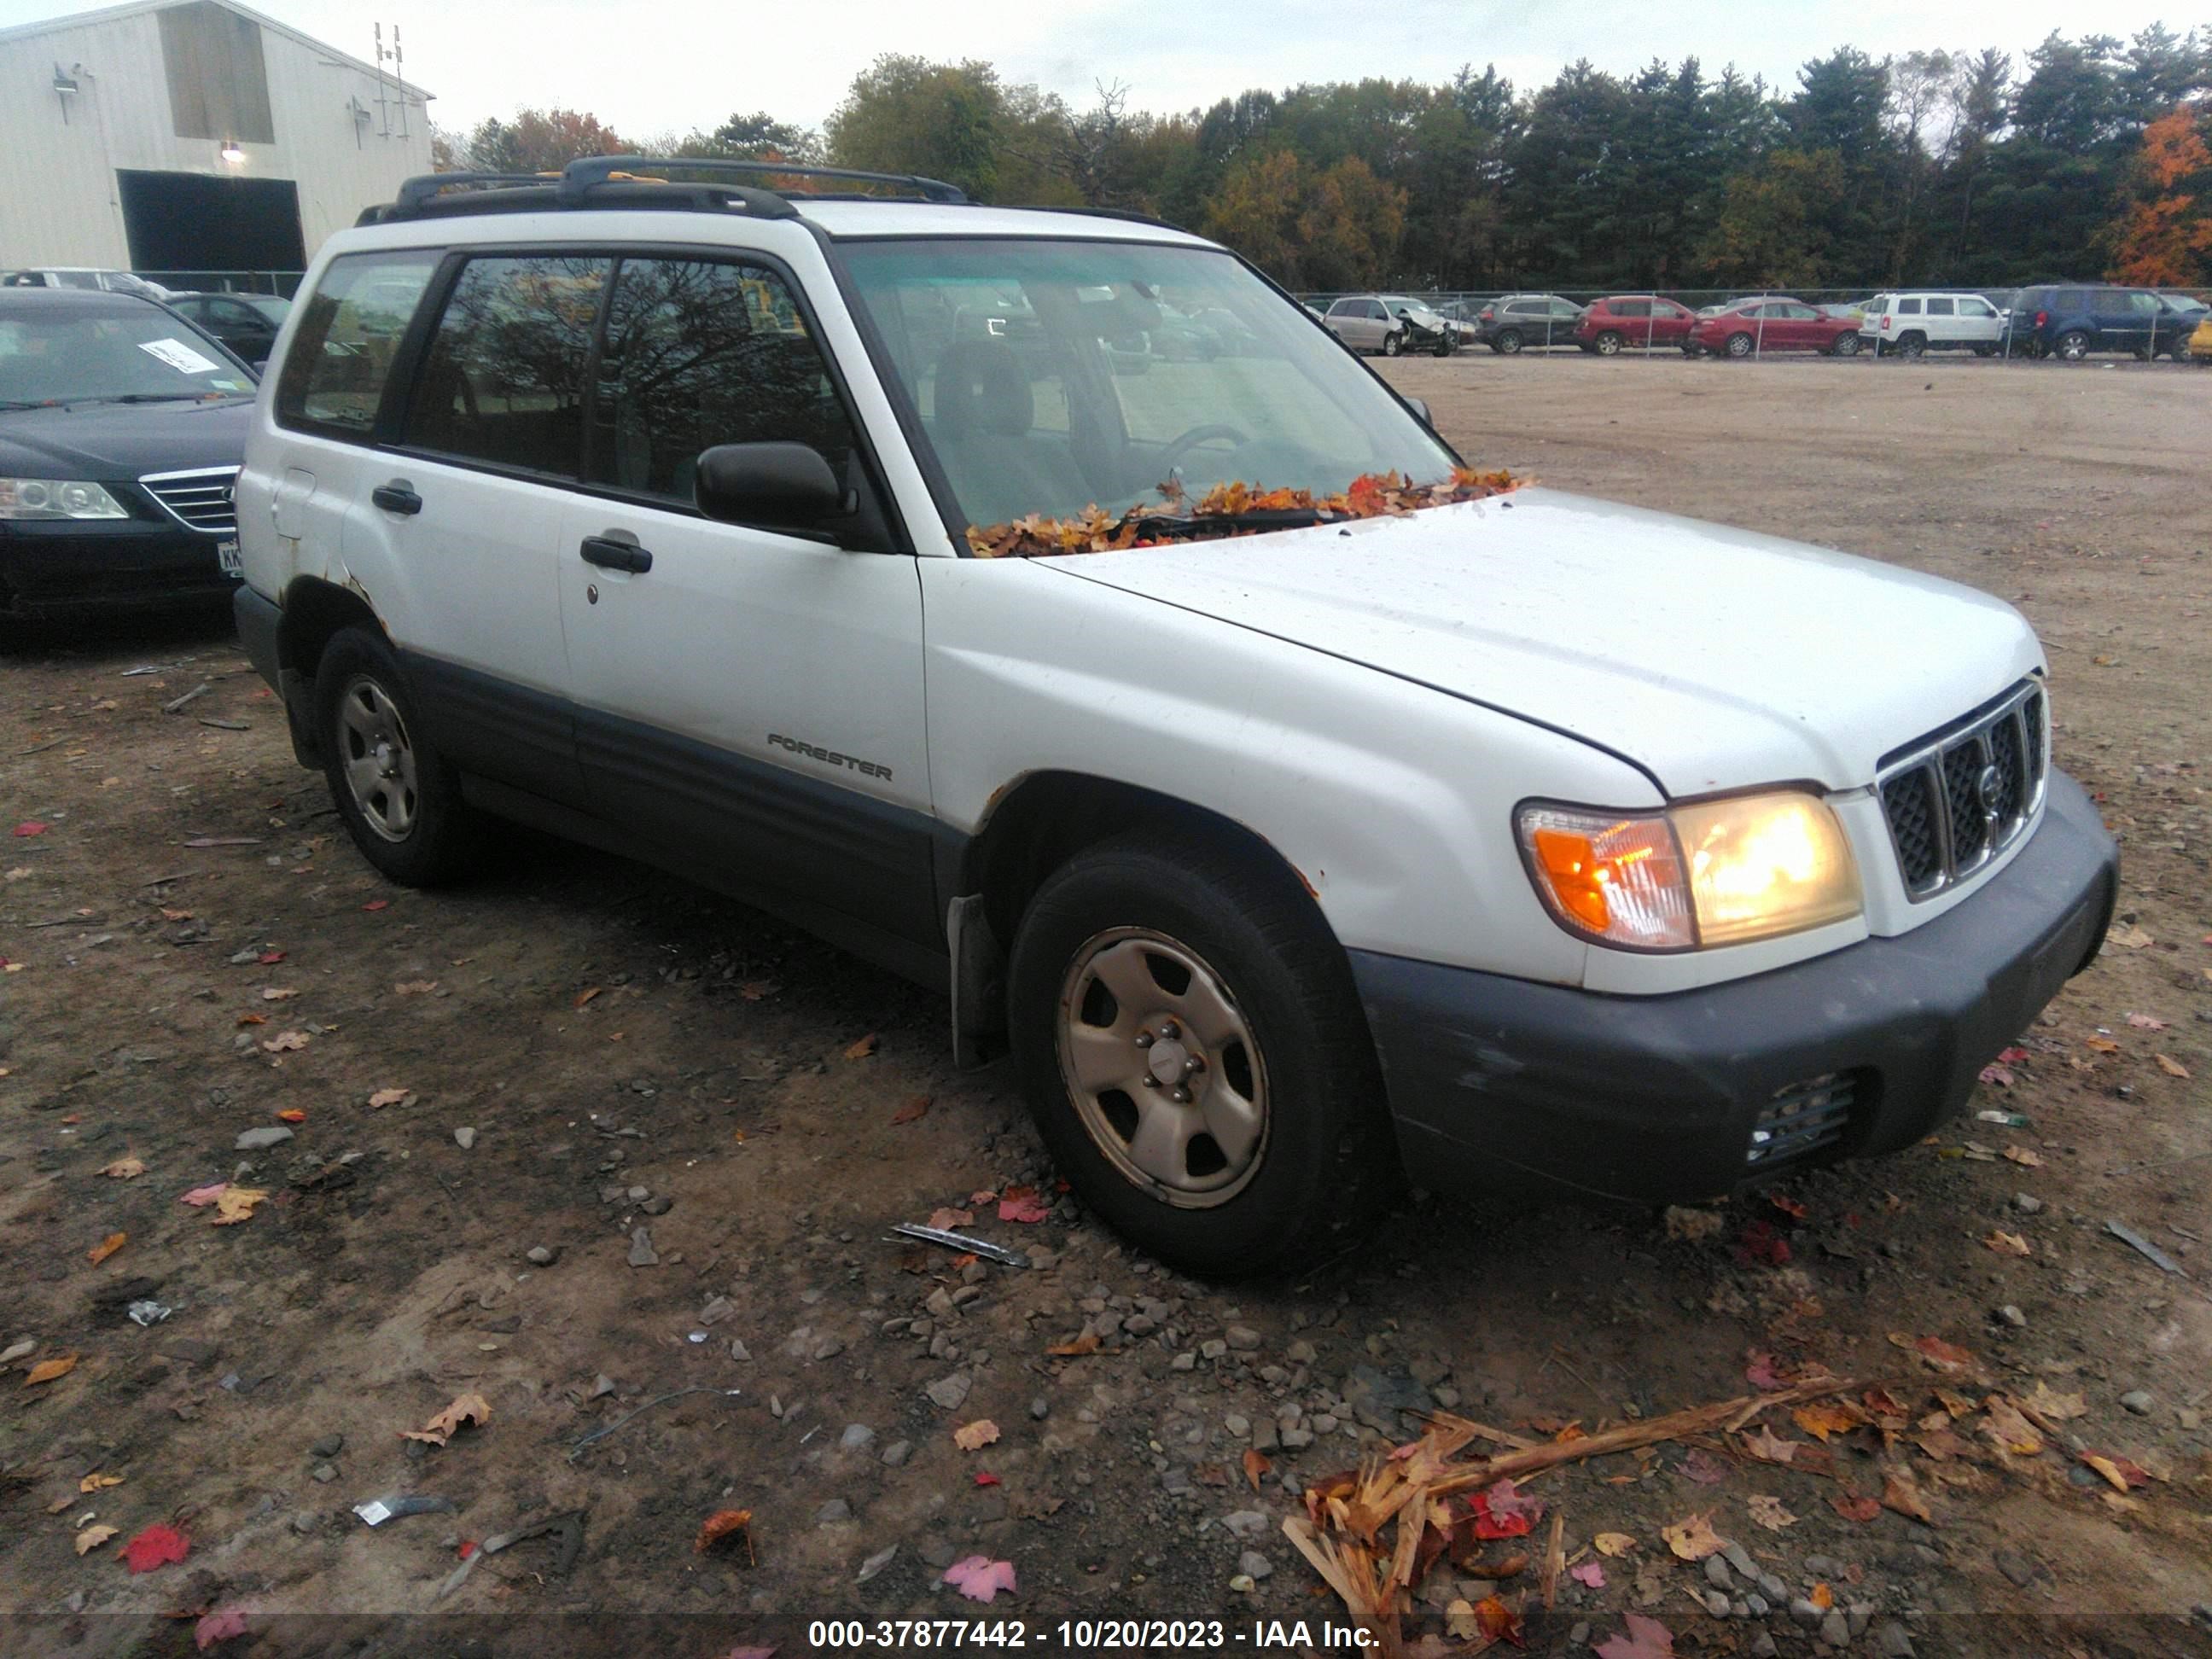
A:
[623,181]
[580,175]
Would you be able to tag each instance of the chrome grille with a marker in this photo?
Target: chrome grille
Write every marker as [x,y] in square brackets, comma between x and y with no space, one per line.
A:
[1960,796]
[198,499]
[1805,1117]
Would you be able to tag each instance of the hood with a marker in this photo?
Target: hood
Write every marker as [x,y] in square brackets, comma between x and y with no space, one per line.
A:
[1713,658]
[108,441]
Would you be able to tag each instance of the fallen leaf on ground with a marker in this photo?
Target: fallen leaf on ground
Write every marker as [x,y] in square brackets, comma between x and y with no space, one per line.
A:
[156,1546]
[30,827]
[1496,1622]
[415,988]
[980,1578]
[2043,1402]
[753,990]
[48,1371]
[2171,1066]
[2008,1430]
[284,1041]
[2128,937]
[1821,1596]
[1021,1204]
[1645,1638]
[387,1096]
[271,958]
[2024,1157]
[1515,1522]
[2145,1022]
[93,1537]
[1588,1572]
[916,1109]
[584,997]
[277,993]
[1901,1492]
[1943,1356]
[2101,1045]
[1076,1347]
[291,1115]
[721,1525]
[1691,1224]
[218,1627]
[253,1019]
[97,1481]
[1702,1467]
[1769,1447]
[1856,1508]
[1821,1419]
[971,1437]
[126,1169]
[1256,1464]
[1614,1543]
[945,1219]
[2005,1244]
[2000,1075]
[200,1197]
[1768,1512]
[1692,1538]
[984,1477]
[377,904]
[2119,1472]
[236,1204]
[863,1049]
[466,1409]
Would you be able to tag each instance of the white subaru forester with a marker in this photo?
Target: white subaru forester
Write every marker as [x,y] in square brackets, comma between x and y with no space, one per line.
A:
[1298,807]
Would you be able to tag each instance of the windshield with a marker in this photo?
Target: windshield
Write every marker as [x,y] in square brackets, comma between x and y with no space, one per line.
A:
[1054,376]
[144,355]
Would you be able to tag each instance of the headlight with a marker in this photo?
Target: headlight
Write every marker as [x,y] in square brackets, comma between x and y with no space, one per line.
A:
[56,498]
[1712,873]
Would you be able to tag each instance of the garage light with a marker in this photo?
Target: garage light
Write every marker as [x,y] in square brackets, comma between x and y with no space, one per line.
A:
[231,153]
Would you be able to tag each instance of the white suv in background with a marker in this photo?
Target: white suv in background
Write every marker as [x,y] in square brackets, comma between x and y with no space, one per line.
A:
[1912,324]
[1331,812]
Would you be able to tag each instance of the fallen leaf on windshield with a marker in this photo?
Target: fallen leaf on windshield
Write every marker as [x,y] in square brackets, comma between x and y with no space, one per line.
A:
[107,1247]
[973,1436]
[466,1409]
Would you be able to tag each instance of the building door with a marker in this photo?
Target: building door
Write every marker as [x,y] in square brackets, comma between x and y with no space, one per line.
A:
[190,224]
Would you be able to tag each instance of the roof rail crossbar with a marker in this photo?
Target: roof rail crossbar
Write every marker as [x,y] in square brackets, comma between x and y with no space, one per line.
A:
[580,176]
[414,191]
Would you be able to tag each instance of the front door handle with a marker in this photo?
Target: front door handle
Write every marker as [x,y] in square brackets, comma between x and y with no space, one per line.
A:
[610,554]
[397,497]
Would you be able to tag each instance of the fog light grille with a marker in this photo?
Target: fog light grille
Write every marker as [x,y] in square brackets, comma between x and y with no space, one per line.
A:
[1802,1118]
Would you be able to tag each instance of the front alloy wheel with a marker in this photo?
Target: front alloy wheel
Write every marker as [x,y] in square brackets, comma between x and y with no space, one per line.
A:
[1163,1066]
[1394,343]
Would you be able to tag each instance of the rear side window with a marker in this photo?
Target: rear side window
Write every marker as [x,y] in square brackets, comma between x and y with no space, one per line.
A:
[503,381]
[333,377]
[1345,308]
[700,353]
[2070,299]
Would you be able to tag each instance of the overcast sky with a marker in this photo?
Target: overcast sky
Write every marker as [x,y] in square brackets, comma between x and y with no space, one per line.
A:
[648,69]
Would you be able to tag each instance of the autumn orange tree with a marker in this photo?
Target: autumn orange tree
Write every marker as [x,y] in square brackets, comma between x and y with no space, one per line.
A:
[2163,237]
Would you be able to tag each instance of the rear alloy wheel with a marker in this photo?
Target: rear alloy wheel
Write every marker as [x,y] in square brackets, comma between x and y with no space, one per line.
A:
[1394,343]
[1193,1050]
[399,797]
[2072,346]
[1609,343]
[1846,345]
[1739,345]
[1508,343]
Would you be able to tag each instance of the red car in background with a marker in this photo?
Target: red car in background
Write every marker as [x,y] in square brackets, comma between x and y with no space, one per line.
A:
[1625,320]
[1771,324]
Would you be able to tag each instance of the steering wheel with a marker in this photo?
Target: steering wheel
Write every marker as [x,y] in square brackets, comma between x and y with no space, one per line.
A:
[1172,453]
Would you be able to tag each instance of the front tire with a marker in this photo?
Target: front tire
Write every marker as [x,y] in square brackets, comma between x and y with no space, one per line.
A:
[1192,1048]
[399,797]
[1846,345]
[1393,344]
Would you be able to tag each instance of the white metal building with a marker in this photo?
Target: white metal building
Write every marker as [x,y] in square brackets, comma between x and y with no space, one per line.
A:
[192,138]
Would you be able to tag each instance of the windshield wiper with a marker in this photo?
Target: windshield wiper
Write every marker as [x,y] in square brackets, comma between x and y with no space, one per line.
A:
[144,398]
[1164,524]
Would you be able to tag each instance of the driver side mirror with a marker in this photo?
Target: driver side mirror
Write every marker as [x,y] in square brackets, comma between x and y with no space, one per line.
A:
[770,484]
[1421,412]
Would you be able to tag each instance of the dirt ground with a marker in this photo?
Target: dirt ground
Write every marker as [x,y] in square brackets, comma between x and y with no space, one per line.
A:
[193,949]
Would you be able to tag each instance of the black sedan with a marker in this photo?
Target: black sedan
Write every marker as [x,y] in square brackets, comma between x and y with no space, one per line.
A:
[246,323]
[122,428]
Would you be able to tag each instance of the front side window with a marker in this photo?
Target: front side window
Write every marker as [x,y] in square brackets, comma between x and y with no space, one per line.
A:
[1632,307]
[1939,308]
[503,381]
[1135,361]
[333,377]
[1971,307]
[698,352]
[1909,307]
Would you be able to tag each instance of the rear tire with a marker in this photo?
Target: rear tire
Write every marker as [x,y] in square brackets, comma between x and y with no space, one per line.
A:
[2070,346]
[1739,345]
[1911,346]
[1609,343]
[399,797]
[1508,343]
[1219,959]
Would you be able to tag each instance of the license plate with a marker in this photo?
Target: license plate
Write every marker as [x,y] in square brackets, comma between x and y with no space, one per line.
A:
[227,559]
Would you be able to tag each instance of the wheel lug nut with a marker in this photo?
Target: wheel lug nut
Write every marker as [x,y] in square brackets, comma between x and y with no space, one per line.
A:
[1168,1031]
[1150,1081]
[1181,1096]
[1193,1065]
[1144,1039]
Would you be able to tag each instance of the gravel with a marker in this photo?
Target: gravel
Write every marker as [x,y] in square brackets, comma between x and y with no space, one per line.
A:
[857,1437]
[255,1140]
[834,1513]
[1255,1565]
[642,1253]
[2138,1400]
[896,1453]
[949,1391]
[465,1137]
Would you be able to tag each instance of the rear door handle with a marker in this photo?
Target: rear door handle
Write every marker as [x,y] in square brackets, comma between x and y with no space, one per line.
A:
[610,554]
[397,497]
